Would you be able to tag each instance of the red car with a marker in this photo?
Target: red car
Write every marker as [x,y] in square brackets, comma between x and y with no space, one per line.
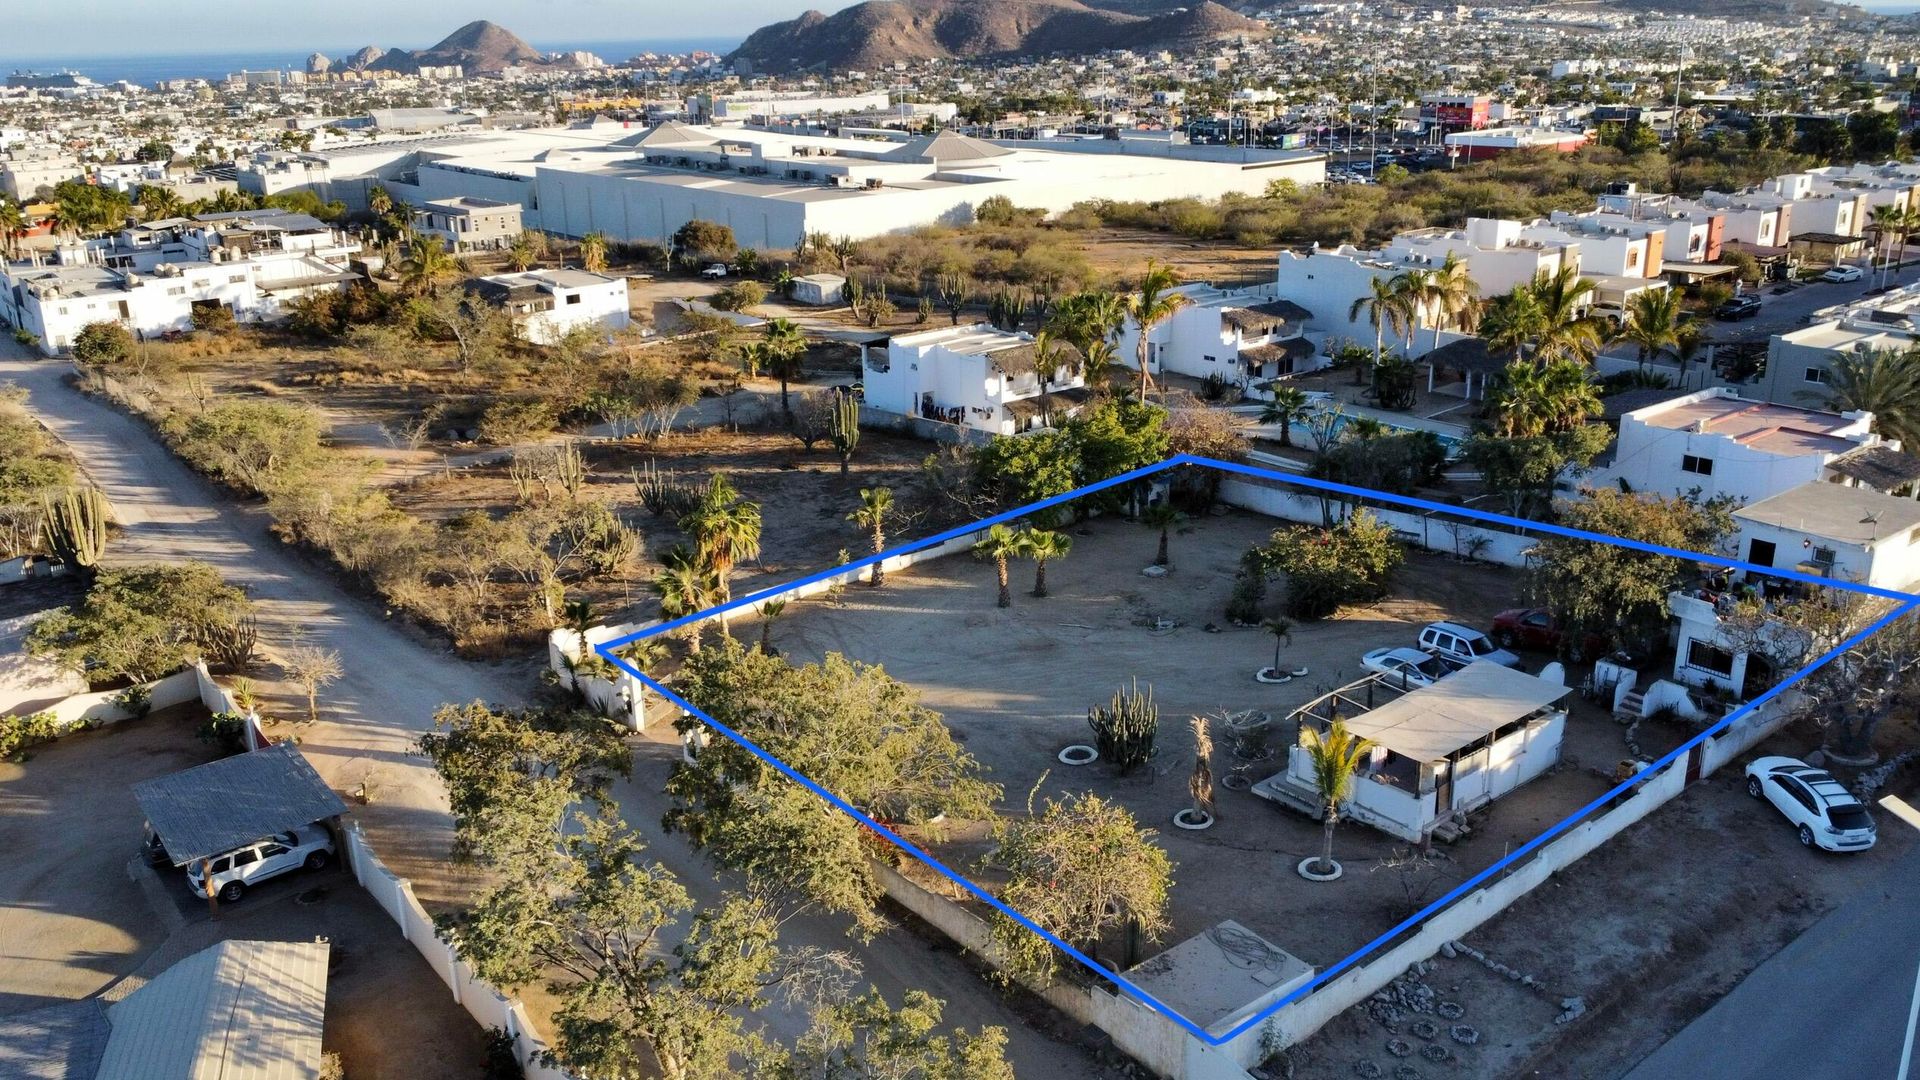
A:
[1537,629]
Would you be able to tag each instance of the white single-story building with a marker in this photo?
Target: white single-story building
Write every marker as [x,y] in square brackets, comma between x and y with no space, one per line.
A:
[1439,751]
[973,376]
[546,304]
[1246,337]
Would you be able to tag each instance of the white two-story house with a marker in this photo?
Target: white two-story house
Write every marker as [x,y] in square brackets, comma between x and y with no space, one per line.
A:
[545,304]
[1245,337]
[975,377]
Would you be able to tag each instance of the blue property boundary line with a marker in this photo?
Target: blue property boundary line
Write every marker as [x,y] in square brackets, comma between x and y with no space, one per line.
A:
[1908,603]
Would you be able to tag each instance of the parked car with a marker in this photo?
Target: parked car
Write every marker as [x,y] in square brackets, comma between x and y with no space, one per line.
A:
[715,272]
[1738,307]
[1843,273]
[1463,645]
[309,846]
[1538,629]
[1825,814]
[1407,668]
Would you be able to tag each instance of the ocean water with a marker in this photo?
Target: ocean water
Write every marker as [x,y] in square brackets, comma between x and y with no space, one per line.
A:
[147,70]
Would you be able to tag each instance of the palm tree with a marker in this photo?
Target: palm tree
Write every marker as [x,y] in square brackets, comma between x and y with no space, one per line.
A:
[1162,516]
[1149,307]
[1362,429]
[1908,224]
[1288,405]
[1050,357]
[13,225]
[379,201]
[593,252]
[1565,333]
[522,252]
[872,516]
[427,262]
[769,612]
[1385,307]
[1882,223]
[1336,754]
[1042,546]
[726,532]
[1453,294]
[1688,339]
[684,589]
[1653,323]
[160,202]
[1511,322]
[1884,382]
[1415,289]
[1282,632]
[1529,401]
[1101,357]
[999,545]
[785,346]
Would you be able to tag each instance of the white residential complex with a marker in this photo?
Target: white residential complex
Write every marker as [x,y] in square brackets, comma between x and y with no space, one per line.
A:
[1244,337]
[151,277]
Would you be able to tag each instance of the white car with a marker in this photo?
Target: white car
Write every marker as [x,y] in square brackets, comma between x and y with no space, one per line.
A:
[309,846]
[1843,273]
[715,272]
[1462,645]
[1407,668]
[1824,813]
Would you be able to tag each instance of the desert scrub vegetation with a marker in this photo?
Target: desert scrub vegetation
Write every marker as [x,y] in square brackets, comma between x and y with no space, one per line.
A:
[32,467]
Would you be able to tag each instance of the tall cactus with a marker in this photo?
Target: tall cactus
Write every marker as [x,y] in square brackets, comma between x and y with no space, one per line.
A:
[845,432]
[1124,728]
[77,528]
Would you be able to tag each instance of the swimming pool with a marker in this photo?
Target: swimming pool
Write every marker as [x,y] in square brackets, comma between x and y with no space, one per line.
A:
[1451,443]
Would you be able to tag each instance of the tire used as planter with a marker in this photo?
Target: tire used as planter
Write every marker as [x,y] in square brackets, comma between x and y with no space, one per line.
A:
[1271,676]
[1307,871]
[1079,754]
[1185,819]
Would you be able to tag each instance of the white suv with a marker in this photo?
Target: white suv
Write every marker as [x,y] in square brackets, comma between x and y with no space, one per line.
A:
[235,872]
[1823,812]
[1463,645]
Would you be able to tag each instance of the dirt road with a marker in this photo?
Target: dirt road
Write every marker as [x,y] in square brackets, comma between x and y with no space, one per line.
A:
[393,683]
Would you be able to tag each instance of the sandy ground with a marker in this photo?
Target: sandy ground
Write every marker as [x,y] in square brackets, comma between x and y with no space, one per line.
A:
[1016,684]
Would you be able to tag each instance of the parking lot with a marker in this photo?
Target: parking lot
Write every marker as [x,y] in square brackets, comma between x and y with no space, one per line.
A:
[81,914]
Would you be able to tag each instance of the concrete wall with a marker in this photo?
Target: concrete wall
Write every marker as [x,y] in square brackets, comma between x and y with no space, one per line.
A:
[489,1007]
[1431,532]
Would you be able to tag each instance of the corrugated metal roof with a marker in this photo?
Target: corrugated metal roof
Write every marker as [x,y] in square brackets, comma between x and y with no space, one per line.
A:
[213,808]
[1432,722]
[240,1010]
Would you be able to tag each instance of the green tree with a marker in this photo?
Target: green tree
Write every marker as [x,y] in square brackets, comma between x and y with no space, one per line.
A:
[1336,755]
[1653,324]
[999,546]
[784,350]
[1162,517]
[1566,331]
[1328,567]
[1616,592]
[726,532]
[685,588]
[1530,400]
[427,263]
[523,251]
[699,242]
[846,726]
[258,447]
[1079,869]
[1014,470]
[1524,470]
[139,622]
[102,343]
[1117,437]
[866,1037]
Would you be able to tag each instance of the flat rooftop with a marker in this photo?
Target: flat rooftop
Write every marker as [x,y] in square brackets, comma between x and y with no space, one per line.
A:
[1859,516]
[1780,429]
[1218,975]
[976,339]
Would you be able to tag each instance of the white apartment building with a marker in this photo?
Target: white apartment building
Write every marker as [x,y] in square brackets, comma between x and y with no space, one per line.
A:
[1498,253]
[24,172]
[1246,337]
[1798,361]
[973,376]
[545,304]
[151,277]
[1719,443]
[466,223]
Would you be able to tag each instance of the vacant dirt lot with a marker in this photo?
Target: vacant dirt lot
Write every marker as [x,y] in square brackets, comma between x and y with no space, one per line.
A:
[1016,685]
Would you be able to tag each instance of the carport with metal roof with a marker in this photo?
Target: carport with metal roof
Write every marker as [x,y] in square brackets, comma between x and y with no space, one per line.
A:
[211,809]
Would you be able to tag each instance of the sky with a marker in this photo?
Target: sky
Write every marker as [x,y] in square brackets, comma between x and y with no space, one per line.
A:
[145,27]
